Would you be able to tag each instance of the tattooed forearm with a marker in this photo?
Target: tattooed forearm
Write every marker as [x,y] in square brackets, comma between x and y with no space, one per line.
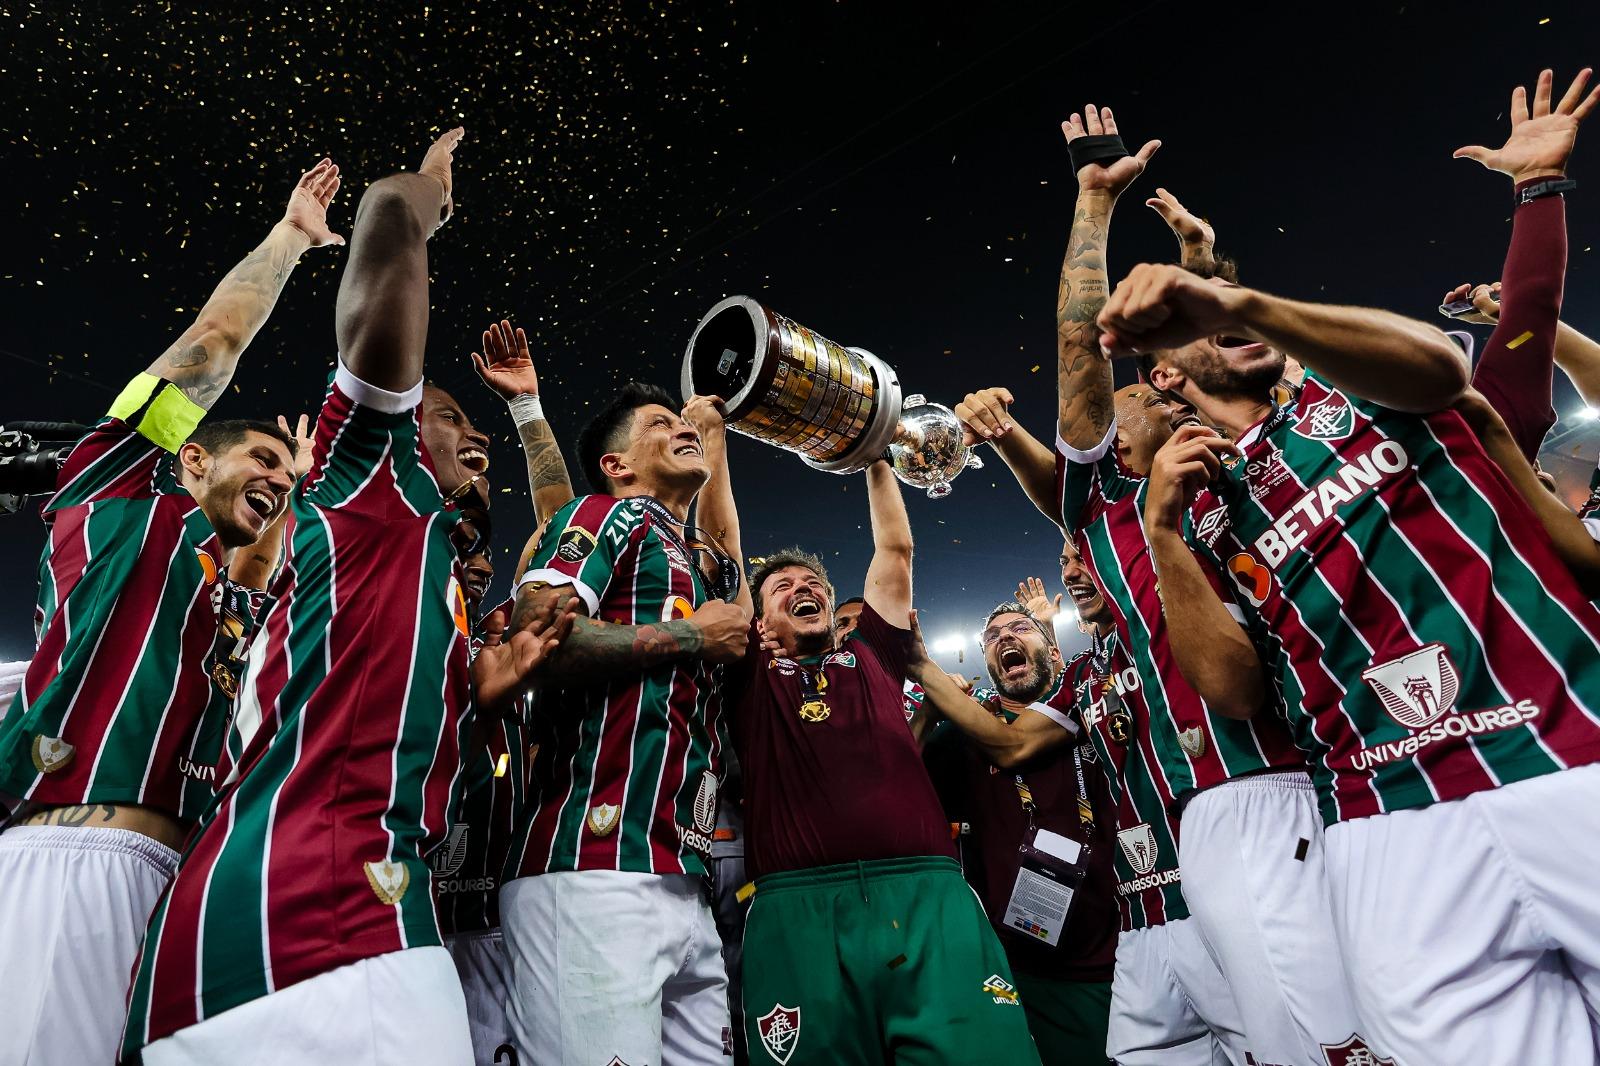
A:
[1083,374]
[202,361]
[596,650]
[548,480]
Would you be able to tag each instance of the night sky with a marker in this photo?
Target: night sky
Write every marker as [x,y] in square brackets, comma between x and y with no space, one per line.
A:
[891,175]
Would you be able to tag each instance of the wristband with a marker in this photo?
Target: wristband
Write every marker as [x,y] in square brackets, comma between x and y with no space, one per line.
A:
[525,409]
[1539,189]
[1100,148]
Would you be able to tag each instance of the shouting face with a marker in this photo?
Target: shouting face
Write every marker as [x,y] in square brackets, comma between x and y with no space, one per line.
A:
[242,488]
[1080,586]
[1020,659]
[795,610]
[459,452]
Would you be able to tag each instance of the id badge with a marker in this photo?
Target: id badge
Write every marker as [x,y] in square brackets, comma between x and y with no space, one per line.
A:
[1052,869]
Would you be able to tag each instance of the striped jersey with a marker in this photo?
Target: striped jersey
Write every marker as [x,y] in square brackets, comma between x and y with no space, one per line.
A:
[1428,641]
[314,855]
[1102,507]
[116,704]
[240,610]
[627,769]
[468,865]
[1103,685]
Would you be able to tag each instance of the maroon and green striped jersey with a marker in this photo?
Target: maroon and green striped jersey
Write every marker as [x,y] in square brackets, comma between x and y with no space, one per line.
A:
[1102,508]
[627,768]
[314,855]
[1429,642]
[116,704]
[468,865]
[1099,684]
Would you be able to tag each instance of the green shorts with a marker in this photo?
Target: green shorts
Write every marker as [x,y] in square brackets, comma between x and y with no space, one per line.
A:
[891,961]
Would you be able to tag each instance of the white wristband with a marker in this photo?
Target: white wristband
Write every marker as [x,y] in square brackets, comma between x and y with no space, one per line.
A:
[525,409]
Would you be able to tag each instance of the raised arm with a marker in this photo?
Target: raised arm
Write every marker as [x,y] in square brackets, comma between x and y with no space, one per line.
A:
[1378,356]
[1578,356]
[506,366]
[1212,650]
[202,360]
[382,312]
[986,416]
[715,516]
[1515,371]
[1083,373]
[888,587]
[1197,241]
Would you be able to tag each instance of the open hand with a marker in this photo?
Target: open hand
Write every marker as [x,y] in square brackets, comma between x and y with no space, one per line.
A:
[1032,595]
[437,165]
[308,204]
[506,364]
[1191,230]
[1540,142]
[303,443]
[505,665]
[1117,175]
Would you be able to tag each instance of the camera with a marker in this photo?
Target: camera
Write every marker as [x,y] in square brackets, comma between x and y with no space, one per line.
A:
[31,455]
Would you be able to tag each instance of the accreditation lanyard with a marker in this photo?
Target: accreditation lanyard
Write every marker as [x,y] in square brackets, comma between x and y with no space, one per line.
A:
[1051,867]
[727,583]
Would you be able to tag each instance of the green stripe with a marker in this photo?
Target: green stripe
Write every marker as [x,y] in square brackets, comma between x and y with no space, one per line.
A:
[652,583]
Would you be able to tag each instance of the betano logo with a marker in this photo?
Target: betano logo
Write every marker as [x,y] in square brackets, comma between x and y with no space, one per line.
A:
[1321,501]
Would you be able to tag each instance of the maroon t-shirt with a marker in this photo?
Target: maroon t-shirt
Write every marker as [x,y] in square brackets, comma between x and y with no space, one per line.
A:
[849,787]
[986,799]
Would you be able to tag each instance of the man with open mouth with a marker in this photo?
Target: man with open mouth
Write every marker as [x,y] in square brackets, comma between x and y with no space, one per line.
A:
[1014,767]
[862,938]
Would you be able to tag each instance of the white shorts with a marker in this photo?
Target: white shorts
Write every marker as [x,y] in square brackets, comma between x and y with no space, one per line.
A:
[1254,879]
[1471,928]
[1169,1003]
[74,904]
[485,982]
[609,965]
[402,1007]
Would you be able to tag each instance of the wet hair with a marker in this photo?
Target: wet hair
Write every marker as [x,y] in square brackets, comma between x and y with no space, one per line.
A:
[609,429]
[777,561]
[218,437]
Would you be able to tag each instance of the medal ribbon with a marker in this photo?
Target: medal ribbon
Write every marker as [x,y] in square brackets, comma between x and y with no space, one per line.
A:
[727,584]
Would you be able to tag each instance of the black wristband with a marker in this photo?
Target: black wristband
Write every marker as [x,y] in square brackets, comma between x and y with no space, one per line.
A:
[1545,188]
[1100,148]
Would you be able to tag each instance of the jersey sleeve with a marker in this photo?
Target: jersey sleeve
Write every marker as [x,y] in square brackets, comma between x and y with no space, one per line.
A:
[1086,481]
[582,545]
[128,454]
[890,644]
[366,454]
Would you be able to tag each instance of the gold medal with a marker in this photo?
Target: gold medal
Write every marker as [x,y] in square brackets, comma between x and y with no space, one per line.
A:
[814,711]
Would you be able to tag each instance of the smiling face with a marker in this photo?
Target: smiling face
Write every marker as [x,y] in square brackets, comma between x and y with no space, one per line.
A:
[1021,662]
[459,452]
[662,452]
[845,620]
[795,610]
[1085,594]
[242,488]
[470,538]
[1146,417]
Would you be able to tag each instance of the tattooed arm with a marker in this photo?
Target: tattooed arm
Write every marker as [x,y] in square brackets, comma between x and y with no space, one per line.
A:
[202,360]
[1083,373]
[596,650]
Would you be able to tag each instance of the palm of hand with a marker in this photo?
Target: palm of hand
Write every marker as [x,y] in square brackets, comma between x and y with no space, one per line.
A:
[1543,143]
[512,375]
[309,217]
[1113,178]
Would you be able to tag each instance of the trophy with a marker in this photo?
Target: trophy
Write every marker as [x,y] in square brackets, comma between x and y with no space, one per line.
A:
[838,408]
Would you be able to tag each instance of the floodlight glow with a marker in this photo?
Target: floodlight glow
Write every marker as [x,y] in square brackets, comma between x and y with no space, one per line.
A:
[1586,414]
[949,644]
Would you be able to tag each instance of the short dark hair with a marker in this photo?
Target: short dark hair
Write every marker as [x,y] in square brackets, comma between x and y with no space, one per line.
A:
[1013,607]
[853,599]
[608,430]
[218,437]
[777,561]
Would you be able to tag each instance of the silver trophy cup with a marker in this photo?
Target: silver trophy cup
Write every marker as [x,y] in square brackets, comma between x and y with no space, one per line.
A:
[838,408]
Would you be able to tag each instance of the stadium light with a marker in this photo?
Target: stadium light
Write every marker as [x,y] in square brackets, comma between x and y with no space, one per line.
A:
[949,644]
[1586,414]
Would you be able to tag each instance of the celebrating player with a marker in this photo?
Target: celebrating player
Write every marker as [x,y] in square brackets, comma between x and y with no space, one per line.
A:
[862,933]
[1437,659]
[112,739]
[300,919]
[1023,774]
[613,948]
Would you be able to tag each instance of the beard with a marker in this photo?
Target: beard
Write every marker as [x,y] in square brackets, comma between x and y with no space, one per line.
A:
[1031,685]
[1212,375]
